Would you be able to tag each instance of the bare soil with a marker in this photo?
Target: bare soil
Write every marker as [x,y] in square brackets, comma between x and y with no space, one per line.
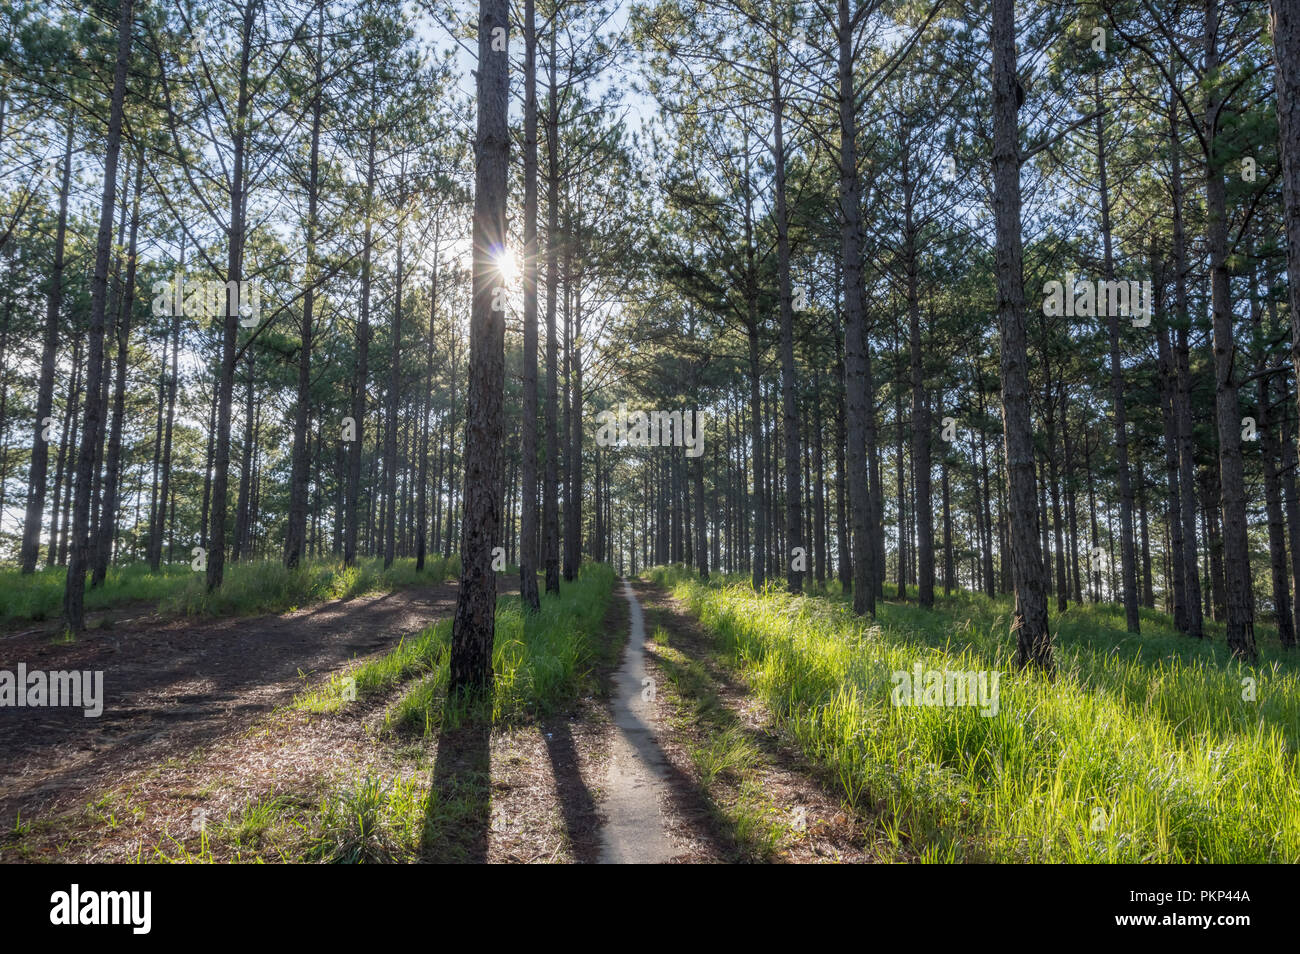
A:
[172,685]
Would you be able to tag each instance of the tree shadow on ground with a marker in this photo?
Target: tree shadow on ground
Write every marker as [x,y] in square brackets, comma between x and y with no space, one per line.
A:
[577,805]
[458,815]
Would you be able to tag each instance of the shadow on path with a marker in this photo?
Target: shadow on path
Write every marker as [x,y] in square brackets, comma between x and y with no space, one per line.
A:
[459,811]
[581,819]
[638,784]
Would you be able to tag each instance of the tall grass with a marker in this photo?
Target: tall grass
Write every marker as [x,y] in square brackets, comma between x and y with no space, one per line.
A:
[39,596]
[264,586]
[541,662]
[267,587]
[1150,748]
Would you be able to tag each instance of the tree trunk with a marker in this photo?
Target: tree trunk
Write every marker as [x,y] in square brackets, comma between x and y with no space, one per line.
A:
[112,466]
[819,488]
[75,586]
[921,436]
[1033,639]
[234,271]
[1240,599]
[842,533]
[701,540]
[573,506]
[474,624]
[758,570]
[1285,22]
[394,390]
[422,504]
[296,538]
[31,542]
[1182,389]
[858,399]
[242,503]
[1270,440]
[551,478]
[528,424]
[1124,484]
[357,445]
[1292,522]
[67,448]
[790,410]
[1168,400]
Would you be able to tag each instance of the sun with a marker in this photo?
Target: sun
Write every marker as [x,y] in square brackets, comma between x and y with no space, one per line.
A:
[508,263]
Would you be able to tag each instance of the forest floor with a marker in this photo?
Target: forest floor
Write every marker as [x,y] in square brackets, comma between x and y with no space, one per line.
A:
[204,753]
[174,685]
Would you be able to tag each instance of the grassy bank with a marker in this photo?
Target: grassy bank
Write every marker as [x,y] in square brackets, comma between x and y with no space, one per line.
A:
[263,586]
[1151,748]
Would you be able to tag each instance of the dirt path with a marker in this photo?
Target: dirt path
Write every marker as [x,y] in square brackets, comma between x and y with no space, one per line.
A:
[637,782]
[173,685]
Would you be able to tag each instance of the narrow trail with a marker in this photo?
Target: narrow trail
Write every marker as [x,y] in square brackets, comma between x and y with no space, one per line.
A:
[637,786]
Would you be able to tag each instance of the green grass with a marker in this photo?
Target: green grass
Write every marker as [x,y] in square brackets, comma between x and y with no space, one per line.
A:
[370,822]
[728,763]
[39,596]
[1150,748]
[541,662]
[263,586]
[366,820]
[267,587]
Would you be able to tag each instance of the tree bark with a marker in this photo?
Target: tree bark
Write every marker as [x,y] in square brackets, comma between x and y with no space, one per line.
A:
[921,436]
[1168,402]
[1240,599]
[296,538]
[1270,441]
[858,399]
[790,410]
[422,503]
[1033,639]
[1182,389]
[1285,24]
[75,586]
[234,270]
[112,466]
[528,425]
[394,390]
[359,380]
[473,627]
[551,478]
[1123,480]
[31,542]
